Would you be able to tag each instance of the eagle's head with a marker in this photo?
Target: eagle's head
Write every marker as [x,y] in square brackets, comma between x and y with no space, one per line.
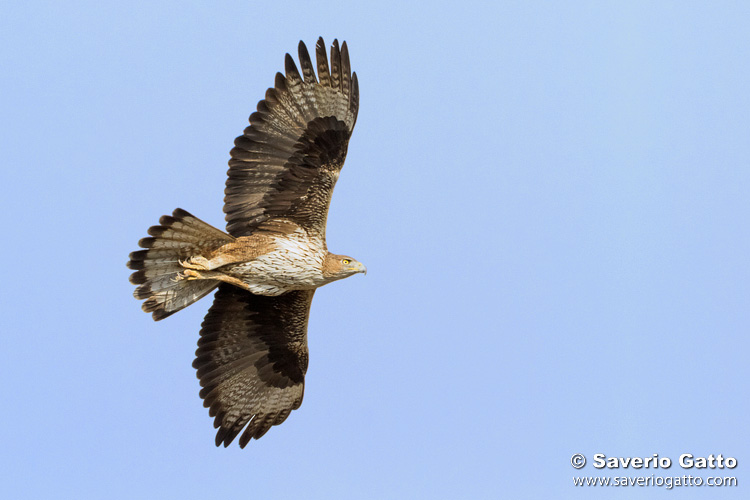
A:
[336,267]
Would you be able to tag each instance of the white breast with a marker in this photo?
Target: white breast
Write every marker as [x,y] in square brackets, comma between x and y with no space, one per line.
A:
[295,264]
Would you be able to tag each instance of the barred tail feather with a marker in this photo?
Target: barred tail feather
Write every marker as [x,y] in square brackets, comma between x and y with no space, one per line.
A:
[177,237]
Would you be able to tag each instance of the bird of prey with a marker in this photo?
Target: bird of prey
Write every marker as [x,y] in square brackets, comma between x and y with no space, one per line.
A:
[252,353]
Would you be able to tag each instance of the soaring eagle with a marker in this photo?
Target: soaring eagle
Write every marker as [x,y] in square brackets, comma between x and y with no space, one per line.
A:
[252,352]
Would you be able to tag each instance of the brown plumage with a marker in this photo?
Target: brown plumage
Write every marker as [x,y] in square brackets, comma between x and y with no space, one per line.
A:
[252,353]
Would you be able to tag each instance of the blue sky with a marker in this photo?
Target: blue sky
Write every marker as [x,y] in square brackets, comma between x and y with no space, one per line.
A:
[551,199]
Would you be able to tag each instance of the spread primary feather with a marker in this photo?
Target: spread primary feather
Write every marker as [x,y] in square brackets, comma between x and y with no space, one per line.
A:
[252,354]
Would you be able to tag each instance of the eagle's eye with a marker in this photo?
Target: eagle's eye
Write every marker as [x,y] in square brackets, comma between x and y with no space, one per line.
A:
[346,262]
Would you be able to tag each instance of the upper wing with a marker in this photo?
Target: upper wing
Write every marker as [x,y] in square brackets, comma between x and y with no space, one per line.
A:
[289,158]
[252,359]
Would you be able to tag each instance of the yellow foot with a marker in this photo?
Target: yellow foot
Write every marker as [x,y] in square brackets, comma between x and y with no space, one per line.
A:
[198,263]
[188,274]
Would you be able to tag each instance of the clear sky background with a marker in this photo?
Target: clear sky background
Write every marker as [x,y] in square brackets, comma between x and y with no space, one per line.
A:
[551,199]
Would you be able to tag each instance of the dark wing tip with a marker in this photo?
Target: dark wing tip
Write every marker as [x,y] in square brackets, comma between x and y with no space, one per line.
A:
[147,242]
[308,72]
[180,213]
[157,231]
[138,278]
[226,434]
[160,314]
[256,429]
[354,98]
[292,73]
[135,265]
[136,260]
[345,58]
[346,72]
[164,220]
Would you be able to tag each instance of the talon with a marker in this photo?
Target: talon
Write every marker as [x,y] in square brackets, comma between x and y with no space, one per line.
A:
[191,275]
[198,263]
[188,274]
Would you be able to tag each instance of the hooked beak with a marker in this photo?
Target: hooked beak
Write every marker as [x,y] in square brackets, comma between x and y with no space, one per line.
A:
[360,268]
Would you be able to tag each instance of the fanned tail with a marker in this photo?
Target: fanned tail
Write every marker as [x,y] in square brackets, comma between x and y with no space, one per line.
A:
[177,238]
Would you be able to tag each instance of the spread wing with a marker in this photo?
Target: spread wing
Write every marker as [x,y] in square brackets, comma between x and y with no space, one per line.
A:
[252,359]
[286,163]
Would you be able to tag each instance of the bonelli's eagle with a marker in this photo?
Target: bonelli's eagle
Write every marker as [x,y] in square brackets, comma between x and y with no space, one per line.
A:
[252,353]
